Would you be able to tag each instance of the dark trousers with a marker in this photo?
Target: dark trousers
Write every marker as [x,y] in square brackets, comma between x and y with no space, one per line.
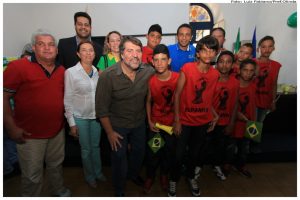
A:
[123,167]
[216,146]
[238,149]
[163,157]
[192,139]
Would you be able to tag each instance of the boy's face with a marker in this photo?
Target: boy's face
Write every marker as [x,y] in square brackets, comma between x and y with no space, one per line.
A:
[244,53]
[153,39]
[224,64]
[206,55]
[184,37]
[247,72]
[266,48]
[161,62]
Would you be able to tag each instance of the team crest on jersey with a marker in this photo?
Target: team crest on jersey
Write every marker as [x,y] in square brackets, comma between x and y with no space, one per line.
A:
[200,87]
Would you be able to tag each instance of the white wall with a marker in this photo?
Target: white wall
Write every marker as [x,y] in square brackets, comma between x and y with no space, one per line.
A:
[20,20]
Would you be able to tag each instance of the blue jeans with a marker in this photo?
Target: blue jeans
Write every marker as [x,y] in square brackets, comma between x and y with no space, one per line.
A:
[89,139]
[121,168]
[9,154]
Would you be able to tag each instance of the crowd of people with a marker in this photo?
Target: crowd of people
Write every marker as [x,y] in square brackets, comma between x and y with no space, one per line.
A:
[205,93]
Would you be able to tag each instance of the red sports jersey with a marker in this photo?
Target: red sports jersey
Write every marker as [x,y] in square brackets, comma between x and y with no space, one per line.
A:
[268,71]
[147,55]
[234,70]
[197,95]
[225,99]
[246,107]
[162,93]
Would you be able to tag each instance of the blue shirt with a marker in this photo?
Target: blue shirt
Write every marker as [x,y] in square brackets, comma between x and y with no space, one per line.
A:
[180,57]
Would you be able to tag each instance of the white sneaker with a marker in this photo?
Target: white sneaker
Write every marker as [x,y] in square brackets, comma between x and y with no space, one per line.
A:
[219,173]
[172,189]
[197,172]
[194,187]
[65,193]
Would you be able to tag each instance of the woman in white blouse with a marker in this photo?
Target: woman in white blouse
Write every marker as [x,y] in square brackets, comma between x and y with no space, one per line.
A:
[80,86]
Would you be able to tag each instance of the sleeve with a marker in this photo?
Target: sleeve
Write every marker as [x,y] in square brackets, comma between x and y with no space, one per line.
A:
[101,64]
[103,95]
[12,77]
[69,91]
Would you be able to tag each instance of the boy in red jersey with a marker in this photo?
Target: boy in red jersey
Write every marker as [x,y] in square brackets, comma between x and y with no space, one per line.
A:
[266,82]
[225,105]
[246,112]
[153,39]
[244,53]
[194,114]
[159,107]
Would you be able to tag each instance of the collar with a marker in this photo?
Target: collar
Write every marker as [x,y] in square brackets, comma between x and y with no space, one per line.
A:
[111,56]
[78,39]
[33,59]
[79,67]
[120,71]
[178,48]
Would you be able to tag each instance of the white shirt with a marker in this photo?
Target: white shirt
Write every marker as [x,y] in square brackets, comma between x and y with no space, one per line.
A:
[79,98]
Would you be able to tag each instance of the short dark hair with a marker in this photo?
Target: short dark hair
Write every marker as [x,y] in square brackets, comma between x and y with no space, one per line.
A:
[226,53]
[85,42]
[129,39]
[155,28]
[208,41]
[220,29]
[161,48]
[266,38]
[246,62]
[184,26]
[82,14]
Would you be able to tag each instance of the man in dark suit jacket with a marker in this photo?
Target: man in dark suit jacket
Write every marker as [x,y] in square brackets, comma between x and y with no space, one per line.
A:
[67,47]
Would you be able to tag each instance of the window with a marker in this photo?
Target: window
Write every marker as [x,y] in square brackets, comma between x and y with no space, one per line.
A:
[201,20]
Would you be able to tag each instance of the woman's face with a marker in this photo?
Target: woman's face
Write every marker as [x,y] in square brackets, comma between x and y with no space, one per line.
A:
[114,41]
[86,53]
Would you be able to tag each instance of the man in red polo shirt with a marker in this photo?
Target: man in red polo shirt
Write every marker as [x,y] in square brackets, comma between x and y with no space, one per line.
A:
[37,85]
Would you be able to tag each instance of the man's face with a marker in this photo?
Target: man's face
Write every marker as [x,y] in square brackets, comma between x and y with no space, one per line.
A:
[184,37]
[44,48]
[132,55]
[83,27]
[153,39]
[219,36]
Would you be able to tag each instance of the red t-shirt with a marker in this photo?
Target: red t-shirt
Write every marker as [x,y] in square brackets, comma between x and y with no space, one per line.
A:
[162,93]
[268,72]
[234,70]
[147,55]
[39,100]
[225,99]
[246,107]
[197,95]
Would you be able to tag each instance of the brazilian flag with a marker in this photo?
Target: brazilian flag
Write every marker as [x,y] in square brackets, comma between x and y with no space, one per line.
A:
[156,142]
[253,130]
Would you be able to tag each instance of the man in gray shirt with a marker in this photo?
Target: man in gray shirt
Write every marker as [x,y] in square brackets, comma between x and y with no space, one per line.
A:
[120,106]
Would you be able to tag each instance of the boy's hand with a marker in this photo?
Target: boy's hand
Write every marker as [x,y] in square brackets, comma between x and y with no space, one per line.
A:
[152,127]
[177,128]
